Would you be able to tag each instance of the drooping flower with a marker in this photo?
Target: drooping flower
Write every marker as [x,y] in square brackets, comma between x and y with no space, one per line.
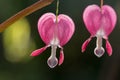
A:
[55,31]
[100,22]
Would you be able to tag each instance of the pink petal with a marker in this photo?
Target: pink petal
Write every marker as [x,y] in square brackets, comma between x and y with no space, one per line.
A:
[66,28]
[61,58]
[48,28]
[84,45]
[96,19]
[108,48]
[38,51]
[91,17]
[109,19]
[46,25]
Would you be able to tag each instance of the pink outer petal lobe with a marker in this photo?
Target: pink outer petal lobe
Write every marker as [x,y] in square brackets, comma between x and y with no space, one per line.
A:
[91,18]
[66,28]
[46,25]
[110,19]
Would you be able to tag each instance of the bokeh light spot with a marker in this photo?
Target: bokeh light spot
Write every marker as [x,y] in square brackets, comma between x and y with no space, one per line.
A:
[17,41]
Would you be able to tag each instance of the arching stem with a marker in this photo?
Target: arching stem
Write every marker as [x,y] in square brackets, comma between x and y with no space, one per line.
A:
[38,5]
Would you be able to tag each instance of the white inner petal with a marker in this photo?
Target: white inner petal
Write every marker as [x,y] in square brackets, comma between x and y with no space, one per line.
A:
[99,50]
[52,60]
[100,33]
[54,41]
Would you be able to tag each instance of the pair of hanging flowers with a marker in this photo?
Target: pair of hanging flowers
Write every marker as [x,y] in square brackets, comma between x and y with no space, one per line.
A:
[57,30]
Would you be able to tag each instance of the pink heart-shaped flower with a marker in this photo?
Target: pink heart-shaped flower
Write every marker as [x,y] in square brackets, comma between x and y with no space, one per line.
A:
[100,22]
[55,31]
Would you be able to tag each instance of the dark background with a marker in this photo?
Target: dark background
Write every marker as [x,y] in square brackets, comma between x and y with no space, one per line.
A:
[16,64]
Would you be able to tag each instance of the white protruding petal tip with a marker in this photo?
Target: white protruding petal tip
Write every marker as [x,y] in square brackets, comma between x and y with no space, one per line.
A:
[52,62]
[99,51]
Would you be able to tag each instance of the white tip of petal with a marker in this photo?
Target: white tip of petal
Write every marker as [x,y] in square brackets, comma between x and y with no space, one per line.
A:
[99,51]
[52,62]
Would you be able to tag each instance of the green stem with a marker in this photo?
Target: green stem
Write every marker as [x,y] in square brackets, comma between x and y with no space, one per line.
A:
[38,5]
[57,10]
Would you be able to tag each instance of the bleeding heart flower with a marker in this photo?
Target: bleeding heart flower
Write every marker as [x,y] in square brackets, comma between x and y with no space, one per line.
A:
[55,31]
[100,22]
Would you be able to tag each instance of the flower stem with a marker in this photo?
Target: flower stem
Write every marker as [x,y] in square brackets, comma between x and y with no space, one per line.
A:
[101,4]
[57,10]
[38,5]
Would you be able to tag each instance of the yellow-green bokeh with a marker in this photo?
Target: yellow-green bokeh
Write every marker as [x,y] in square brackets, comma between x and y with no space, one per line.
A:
[17,42]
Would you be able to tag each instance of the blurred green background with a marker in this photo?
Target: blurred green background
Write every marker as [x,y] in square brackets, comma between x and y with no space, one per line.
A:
[21,38]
